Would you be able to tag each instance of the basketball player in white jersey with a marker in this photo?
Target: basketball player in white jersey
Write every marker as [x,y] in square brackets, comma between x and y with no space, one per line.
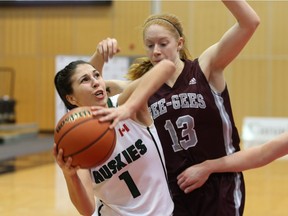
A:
[133,180]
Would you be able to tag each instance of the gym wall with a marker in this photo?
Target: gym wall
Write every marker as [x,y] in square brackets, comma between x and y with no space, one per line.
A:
[31,38]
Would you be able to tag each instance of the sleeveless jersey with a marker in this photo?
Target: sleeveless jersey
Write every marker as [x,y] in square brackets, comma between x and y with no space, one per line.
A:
[133,180]
[195,124]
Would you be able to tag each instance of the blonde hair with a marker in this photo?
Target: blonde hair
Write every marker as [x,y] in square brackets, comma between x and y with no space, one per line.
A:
[169,21]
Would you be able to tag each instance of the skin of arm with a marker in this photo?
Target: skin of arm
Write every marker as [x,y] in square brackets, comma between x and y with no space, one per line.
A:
[136,95]
[107,49]
[251,158]
[82,197]
[214,59]
[116,86]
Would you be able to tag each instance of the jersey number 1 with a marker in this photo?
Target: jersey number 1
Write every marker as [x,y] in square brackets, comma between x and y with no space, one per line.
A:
[130,183]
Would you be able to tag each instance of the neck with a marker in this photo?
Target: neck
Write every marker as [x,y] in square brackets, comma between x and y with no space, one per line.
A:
[179,67]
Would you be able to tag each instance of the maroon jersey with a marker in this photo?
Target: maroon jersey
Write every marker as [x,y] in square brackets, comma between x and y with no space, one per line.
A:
[195,124]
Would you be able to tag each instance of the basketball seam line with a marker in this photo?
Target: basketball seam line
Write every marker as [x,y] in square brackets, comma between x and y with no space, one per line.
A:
[88,146]
[71,129]
[112,147]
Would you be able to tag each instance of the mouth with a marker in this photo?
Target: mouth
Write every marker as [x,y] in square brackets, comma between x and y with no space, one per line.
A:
[99,94]
[156,61]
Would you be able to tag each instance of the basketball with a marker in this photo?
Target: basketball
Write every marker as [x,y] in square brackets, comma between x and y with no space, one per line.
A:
[85,139]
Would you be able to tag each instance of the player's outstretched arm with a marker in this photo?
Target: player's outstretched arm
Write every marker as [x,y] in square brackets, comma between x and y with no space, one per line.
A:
[217,57]
[254,157]
[136,95]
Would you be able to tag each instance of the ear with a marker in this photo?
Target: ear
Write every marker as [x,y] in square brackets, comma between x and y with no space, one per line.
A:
[71,99]
[180,43]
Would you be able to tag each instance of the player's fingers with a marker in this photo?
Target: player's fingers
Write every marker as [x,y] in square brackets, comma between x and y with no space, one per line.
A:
[180,181]
[100,111]
[68,162]
[110,47]
[107,116]
[54,150]
[102,50]
[59,158]
[115,46]
[114,123]
[182,184]
[190,188]
[186,182]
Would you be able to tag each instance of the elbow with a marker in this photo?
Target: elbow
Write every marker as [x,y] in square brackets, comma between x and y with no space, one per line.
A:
[87,212]
[254,23]
[170,67]
[252,26]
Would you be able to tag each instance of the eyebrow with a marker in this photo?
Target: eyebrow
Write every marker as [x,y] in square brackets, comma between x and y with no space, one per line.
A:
[158,38]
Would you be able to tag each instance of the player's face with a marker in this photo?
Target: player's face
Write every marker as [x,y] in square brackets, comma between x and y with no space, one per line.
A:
[161,44]
[88,87]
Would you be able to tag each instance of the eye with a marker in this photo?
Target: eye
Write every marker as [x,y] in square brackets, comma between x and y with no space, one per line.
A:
[84,79]
[96,75]
[163,44]
[149,46]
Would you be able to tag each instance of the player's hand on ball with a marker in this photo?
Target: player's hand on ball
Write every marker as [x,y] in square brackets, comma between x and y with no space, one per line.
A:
[66,166]
[111,114]
[81,140]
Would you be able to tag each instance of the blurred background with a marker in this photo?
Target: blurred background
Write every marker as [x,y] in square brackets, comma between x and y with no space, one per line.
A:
[33,35]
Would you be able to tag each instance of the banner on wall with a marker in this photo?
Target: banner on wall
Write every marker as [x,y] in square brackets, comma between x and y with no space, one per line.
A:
[116,68]
[258,130]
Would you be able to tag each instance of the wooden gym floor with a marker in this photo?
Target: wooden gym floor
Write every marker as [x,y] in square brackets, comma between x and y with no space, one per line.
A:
[33,185]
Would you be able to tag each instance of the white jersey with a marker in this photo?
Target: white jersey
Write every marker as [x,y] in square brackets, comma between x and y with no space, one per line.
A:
[133,180]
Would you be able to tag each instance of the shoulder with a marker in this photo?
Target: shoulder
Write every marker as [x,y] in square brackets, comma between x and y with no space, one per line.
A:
[192,66]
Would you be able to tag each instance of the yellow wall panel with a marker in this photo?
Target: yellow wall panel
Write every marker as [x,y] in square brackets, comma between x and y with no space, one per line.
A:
[245,80]
[54,34]
[89,27]
[46,108]
[279,94]
[279,31]
[19,33]
[127,22]
[31,37]
[26,82]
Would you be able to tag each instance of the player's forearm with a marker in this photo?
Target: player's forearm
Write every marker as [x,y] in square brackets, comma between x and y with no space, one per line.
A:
[237,162]
[243,13]
[79,196]
[97,61]
[150,82]
[253,157]
[116,86]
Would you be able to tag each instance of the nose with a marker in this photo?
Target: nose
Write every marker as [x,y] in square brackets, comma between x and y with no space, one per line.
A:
[156,50]
[94,82]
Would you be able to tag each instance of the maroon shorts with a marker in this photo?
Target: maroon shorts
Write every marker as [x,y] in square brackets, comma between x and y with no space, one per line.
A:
[217,197]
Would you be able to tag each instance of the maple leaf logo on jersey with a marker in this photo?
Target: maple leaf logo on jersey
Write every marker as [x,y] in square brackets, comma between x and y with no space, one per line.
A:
[123,130]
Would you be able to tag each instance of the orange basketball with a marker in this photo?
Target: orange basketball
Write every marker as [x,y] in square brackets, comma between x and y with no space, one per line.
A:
[85,139]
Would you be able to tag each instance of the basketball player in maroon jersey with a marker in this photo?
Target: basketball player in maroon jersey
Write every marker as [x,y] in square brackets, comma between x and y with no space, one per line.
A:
[192,110]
